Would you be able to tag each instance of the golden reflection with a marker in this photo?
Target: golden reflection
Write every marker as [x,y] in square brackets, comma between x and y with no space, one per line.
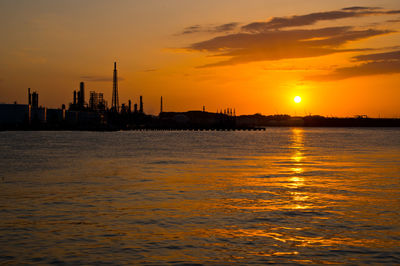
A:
[297,157]
[298,198]
[297,170]
[297,138]
[290,237]
[296,182]
[274,253]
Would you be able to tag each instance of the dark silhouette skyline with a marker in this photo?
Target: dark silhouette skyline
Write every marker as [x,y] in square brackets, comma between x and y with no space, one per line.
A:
[115,100]
[96,115]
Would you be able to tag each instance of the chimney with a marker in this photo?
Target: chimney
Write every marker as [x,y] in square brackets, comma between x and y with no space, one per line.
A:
[161,106]
[29,96]
[141,105]
[82,94]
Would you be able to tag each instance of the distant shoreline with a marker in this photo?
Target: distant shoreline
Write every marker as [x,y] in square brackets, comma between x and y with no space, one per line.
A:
[273,124]
[23,117]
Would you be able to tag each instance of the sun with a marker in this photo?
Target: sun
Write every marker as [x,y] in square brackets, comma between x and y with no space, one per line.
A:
[297,99]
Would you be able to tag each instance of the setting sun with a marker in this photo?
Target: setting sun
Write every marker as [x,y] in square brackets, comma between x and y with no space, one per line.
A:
[297,99]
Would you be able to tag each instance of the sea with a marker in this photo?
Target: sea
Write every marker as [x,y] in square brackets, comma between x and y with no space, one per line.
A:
[286,196]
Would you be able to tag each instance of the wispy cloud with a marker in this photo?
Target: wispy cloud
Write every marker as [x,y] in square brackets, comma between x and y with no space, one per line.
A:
[371,64]
[149,70]
[275,45]
[210,29]
[226,27]
[388,56]
[358,8]
[192,29]
[301,68]
[393,20]
[277,39]
[98,78]
[310,19]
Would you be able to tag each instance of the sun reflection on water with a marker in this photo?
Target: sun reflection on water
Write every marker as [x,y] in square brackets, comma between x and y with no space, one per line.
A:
[285,196]
[299,200]
[297,157]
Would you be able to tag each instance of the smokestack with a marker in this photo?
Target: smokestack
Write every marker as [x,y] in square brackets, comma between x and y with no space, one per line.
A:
[79,97]
[130,106]
[74,97]
[29,96]
[115,101]
[141,105]
[35,100]
[161,107]
[82,94]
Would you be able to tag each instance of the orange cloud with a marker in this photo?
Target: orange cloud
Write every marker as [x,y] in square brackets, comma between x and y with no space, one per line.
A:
[310,19]
[262,41]
[372,64]
[275,45]
[210,29]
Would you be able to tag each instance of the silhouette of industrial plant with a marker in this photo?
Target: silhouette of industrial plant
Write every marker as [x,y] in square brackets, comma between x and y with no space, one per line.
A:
[96,115]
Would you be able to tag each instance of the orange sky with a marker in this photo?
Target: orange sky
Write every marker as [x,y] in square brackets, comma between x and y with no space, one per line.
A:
[342,58]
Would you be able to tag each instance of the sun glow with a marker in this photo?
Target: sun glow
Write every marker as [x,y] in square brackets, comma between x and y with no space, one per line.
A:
[297,99]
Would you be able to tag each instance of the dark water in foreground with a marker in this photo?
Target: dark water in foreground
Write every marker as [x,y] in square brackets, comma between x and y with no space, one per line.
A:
[296,196]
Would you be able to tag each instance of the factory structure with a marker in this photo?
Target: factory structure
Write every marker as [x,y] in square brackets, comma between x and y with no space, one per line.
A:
[95,114]
[80,114]
[97,103]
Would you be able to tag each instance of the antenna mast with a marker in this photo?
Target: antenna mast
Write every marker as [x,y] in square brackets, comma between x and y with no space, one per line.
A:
[115,103]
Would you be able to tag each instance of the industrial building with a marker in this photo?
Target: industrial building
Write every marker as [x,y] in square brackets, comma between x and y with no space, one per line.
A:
[97,102]
[93,114]
[78,102]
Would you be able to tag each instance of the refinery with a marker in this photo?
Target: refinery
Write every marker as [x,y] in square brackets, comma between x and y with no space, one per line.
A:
[96,115]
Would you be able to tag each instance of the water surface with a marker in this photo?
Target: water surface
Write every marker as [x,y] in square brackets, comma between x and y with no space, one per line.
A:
[286,195]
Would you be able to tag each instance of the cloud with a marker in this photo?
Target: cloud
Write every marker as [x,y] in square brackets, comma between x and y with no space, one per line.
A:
[301,68]
[149,70]
[94,78]
[292,21]
[192,29]
[275,45]
[367,69]
[226,27]
[388,56]
[276,38]
[372,64]
[393,20]
[310,19]
[353,8]
[210,29]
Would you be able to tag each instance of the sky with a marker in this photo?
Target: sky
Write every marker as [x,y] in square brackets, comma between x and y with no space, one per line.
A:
[341,57]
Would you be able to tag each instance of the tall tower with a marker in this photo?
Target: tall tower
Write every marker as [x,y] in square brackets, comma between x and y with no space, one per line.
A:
[141,105]
[81,95]
[35,100]
[29,96]
[74,97]
[115,103]
[161,109]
